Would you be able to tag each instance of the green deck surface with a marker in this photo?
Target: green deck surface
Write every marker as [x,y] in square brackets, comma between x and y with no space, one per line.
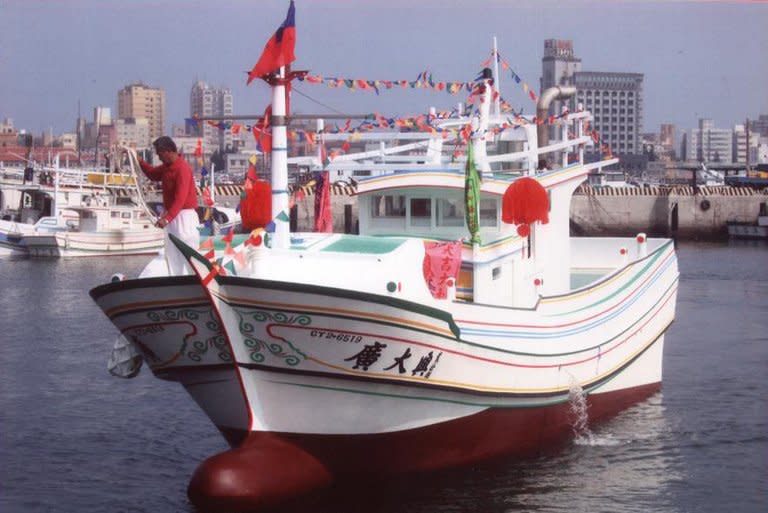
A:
[369,245]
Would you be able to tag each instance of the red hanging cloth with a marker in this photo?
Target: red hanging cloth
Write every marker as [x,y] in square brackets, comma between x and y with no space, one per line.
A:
[256,207]
[323,215]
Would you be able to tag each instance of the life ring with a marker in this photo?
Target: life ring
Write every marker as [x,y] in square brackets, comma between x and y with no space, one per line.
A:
[704,205]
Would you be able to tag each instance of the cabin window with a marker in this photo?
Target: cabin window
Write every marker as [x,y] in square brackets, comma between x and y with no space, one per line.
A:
[387,206]
[450,212]
[125,215]
[421,211]
[114,215]
[488,212]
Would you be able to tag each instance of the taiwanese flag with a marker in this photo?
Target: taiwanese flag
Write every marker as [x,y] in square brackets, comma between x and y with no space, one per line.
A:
[279,49]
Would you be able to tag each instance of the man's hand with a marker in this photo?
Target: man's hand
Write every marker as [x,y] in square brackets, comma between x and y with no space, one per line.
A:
[162,222]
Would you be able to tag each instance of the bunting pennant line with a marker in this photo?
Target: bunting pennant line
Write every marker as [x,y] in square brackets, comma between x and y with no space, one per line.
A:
[424,80]
[528,90]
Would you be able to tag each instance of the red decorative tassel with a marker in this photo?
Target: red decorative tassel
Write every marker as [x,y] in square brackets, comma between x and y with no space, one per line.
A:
[256,207]
[525,202]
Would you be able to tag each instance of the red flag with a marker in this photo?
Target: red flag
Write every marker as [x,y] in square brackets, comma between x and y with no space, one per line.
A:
[262,131]
[279,49]
[251,175]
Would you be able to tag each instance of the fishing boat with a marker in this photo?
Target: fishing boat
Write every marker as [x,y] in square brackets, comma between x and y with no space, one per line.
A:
[428,341]
[99,231]
[458,326]
[757,230]
[41,218]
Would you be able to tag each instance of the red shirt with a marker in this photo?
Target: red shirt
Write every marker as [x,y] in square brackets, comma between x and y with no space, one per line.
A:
[178,183]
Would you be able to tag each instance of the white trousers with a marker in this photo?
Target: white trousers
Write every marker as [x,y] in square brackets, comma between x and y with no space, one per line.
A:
[183,226]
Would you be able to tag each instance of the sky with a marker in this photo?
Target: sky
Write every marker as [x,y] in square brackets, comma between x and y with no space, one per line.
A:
[700,58]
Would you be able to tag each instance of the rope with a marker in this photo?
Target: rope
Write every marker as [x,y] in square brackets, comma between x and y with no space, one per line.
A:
[296,90]
[142,184]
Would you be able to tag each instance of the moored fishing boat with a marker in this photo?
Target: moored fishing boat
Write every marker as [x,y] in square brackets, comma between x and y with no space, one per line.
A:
[76,212]
[99,231]
[455,328]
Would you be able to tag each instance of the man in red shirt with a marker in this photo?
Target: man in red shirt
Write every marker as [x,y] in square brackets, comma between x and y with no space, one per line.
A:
[179,200]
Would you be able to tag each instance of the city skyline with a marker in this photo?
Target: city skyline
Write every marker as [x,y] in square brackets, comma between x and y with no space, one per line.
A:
[700,59]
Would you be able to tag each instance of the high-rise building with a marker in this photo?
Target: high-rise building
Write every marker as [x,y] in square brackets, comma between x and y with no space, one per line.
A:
[205,101]
[9,136]
[760,125]
[142,101]
[133,132]
[559,65]
[740,146]
[96,132]
[616,102]
[615,99]
[667,135]
[709,144]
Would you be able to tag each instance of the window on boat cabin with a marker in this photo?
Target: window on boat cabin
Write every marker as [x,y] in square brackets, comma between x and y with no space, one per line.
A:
[125,215]
[387,206]
[114,215]
[450,212]
[489,215]
[421,211]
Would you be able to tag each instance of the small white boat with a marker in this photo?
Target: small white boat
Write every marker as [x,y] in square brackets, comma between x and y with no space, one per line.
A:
[99,231]
[757,230]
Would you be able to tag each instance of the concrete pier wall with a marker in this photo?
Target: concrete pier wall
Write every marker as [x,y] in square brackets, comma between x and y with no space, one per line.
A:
[685,212]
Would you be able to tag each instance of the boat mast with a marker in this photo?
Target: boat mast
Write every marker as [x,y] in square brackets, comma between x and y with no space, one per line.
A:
[282,235]
[496,84]
[480,125]
[55,204]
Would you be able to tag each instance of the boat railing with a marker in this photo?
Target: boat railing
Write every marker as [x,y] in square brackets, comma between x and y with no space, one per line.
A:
[570,148]
[611,252]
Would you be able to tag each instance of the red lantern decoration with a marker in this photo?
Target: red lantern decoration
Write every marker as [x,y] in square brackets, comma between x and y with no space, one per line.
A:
[524,230]
[525,201]
[256,207]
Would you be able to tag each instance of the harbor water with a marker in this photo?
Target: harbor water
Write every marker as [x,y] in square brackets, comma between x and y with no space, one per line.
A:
[75,439]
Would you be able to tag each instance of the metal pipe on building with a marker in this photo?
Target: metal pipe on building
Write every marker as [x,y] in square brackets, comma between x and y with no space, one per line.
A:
[542,109]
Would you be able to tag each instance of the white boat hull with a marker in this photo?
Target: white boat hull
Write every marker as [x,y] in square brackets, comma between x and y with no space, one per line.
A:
[78,244]
[748,231]
[292,353]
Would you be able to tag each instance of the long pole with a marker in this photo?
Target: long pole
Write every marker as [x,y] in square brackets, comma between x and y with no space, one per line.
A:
[55,206]
[282,235]
[213,183]
[497,82]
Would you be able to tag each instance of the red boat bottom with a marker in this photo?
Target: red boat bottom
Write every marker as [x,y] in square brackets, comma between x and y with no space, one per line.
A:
[230,481]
